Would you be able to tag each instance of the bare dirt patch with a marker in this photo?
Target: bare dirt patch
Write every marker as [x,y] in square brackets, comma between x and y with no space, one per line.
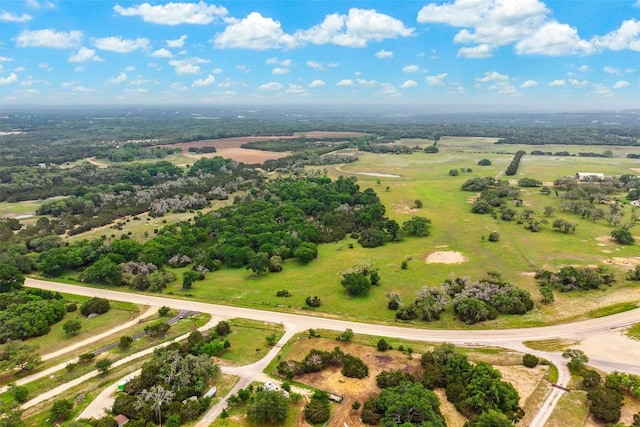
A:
[445,257]
[508,363]
[623,262]
[604,240]
[231,148]
[404,209]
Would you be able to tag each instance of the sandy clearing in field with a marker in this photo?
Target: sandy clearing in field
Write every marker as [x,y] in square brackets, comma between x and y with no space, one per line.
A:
[445,257]
[623,262]
[243,155]
[403,209]
[524,379]
[619,347]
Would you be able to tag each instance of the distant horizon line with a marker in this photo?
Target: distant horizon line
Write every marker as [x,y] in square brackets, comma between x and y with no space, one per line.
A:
[406,109]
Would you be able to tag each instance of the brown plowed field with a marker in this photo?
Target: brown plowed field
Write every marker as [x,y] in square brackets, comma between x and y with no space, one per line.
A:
[231,148]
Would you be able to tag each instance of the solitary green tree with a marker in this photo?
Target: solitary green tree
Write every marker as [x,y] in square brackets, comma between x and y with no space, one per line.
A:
[72,327]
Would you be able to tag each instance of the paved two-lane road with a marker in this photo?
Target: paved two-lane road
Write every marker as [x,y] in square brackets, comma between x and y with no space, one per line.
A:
[507,338]
[470,337]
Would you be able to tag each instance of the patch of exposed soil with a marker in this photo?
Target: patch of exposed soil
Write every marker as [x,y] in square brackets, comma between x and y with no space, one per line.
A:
[232,147]
[445,257]
[623,262]
[404,209]
[604,240]
[524,380]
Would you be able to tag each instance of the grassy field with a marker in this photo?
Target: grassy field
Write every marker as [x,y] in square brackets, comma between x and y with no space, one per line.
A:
[249,340]
[425,177]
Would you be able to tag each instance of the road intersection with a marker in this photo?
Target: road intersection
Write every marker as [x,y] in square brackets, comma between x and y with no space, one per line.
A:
[505,338]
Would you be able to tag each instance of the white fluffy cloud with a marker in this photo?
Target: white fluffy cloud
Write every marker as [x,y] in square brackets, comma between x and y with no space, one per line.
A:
[179,42]
[557,83]
[500,83]
[12,17]
[408,83]
[161,53]
[271,86]
[480,51]
[611,70]
[175,13]
[527,24]
[435,80]
[366,83]
[84,54]
[187,65]
[254,32]
[315,65]
[49,38]
[410,68]
[529,84]
[316,83]
[494,22]
[207,81]
[553,39]
[120,45]
[280,71]
[35,4]
[120,78]
[10,79]
[578,83]
[493,76]
[625,37]
[621,84]
[384,54]
[295,90]
[345,82]
[356,29]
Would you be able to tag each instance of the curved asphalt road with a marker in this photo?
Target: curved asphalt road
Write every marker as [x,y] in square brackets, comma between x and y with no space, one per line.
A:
[507,338]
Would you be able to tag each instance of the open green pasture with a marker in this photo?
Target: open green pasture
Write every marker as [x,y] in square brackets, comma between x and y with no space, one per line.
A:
[426,177]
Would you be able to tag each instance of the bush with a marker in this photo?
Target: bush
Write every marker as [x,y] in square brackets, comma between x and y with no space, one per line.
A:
[72,307]
[530,361]
[95,306]
[494,236]
[313,301]
[223,328]
[125,342]
[606,404]
[87,357]
[383,345]
[164,311]
[623,236]
[317,411]
[283,294]
[20,393]
[453,172]
[354,367]
[484,162]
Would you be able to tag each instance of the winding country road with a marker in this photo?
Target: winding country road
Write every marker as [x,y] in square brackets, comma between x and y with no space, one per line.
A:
[506,338]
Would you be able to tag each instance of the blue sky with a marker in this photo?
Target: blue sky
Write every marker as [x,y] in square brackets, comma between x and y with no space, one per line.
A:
[473,54]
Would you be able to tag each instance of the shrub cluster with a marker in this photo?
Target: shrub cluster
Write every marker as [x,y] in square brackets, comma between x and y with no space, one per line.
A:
[472,302]
[475,390]
[318,360]
[576,278]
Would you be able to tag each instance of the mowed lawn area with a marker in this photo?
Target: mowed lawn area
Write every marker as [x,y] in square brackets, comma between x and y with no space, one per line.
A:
[425,177]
